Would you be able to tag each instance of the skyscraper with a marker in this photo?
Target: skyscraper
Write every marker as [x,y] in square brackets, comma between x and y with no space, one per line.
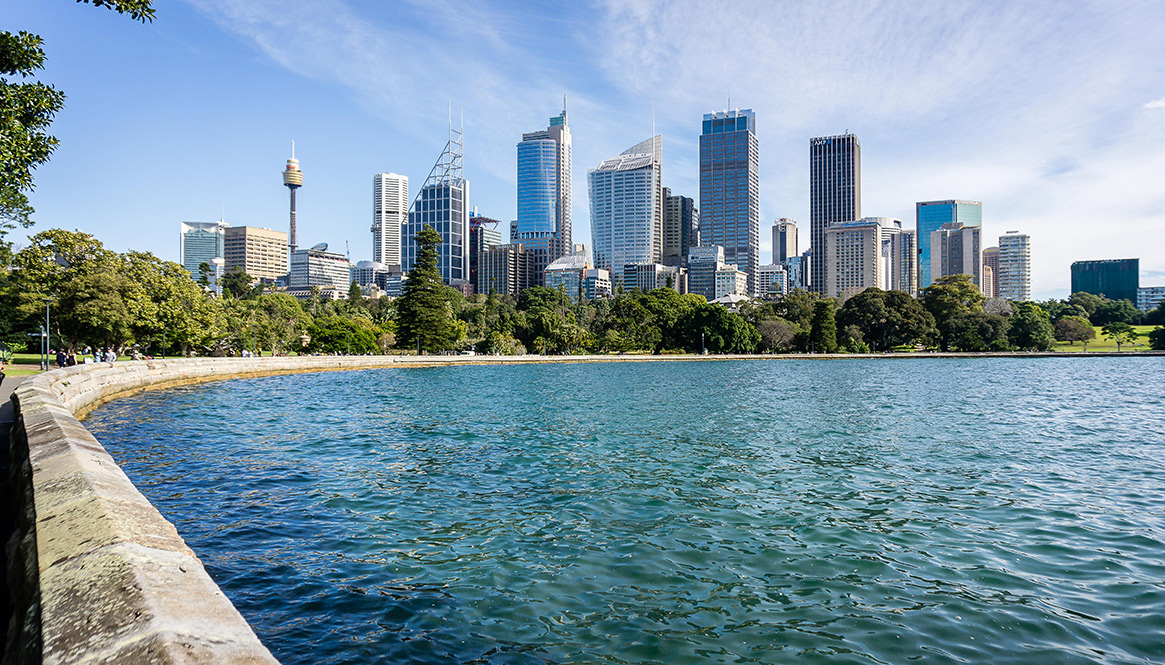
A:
[931,215]
[858,255]
[1117,279]
[784,239]
[955,249]
[1014,274]
[443,203]
[543,226]
[626,200]
[200,242]
[904,262]
[261,253]
[730,188]
[835,195]
[990,286]
[390,210]
[681,232]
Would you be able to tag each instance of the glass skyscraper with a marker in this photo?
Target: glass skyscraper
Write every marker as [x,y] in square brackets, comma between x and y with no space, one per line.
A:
[931,215]
[730,188]
[626,197]
[443,203]
[1117,279]
[200,242]
[544,195]
[835,195]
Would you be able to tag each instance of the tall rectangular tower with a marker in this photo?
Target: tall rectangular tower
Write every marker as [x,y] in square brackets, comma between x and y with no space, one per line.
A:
[680,228]
[543,226]
[626,195]
[784,239]
[835,195]
[1116,279]
[390,211]
[200,242]
[730,188]
[1014,274]
[931,215]
[955,250]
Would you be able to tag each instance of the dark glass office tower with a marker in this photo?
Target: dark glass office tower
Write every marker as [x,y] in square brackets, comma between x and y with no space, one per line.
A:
[730,188]
[835,194]
[1117,279]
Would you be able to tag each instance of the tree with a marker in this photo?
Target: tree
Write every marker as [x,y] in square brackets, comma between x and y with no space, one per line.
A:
[1157,338]
[1089,301]
[1156,317]
[823,328]
[979,331]
[1031,328]
[237,283]
[354,293]
[1073,329]
[1112,311]
[885,318]
[949,298]
[1120,332]
[776,335]
[425,315]
[26,111]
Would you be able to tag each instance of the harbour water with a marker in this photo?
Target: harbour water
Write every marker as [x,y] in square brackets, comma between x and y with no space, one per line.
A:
[809,511]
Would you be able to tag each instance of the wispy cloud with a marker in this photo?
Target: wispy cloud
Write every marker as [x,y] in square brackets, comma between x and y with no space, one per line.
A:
[1156,104]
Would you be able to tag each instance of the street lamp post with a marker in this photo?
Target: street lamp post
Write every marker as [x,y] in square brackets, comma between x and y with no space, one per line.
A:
[47,332]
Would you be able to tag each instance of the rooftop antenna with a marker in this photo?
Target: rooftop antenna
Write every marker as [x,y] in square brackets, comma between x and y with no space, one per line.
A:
[293,149]
[653,117]
[564,105]
[348,251]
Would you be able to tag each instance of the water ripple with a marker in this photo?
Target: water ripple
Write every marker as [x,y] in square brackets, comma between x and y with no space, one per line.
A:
[942,511]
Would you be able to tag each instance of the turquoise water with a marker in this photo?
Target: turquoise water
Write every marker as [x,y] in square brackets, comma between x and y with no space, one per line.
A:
[808,511]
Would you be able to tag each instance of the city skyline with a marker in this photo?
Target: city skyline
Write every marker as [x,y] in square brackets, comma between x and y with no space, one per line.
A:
[1074,136]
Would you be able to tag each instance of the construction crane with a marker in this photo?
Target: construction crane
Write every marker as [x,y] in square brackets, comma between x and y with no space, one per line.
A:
[476,221]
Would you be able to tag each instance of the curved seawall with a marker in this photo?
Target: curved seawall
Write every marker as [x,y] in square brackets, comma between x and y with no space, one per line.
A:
[96,574]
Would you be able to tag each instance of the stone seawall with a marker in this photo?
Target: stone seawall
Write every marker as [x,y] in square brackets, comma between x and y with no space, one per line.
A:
[95,573]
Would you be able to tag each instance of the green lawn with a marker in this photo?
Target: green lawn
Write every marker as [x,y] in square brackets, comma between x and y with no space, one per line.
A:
[1102,344]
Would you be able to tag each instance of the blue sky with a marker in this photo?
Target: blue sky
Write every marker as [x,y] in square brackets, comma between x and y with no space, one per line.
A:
[1050,113]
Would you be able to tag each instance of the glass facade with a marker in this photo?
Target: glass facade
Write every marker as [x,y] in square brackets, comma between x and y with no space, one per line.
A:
[1116,279]
[835,195]
[730,188]
[543,226]
[930,216]
[537,185]
[626,195]
[199,243]
[442,203]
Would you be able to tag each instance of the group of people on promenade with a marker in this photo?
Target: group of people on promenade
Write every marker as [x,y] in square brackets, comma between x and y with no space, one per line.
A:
[95,355]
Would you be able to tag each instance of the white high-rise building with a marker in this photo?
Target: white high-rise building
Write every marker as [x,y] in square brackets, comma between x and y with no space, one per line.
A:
[1015,269]
[860,254]
[626,196]
[390,212]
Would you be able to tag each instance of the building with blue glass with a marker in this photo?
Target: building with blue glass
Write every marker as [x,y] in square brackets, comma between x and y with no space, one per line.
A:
[730,188]
[835,196]
[930,217]
[443,203]
[200,242]
[543,226]
[626,201]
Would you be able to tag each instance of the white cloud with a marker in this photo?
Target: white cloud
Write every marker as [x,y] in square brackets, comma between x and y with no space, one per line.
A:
[1156,104]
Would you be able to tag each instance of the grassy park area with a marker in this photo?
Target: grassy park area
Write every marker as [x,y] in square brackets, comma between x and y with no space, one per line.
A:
[1102,344]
